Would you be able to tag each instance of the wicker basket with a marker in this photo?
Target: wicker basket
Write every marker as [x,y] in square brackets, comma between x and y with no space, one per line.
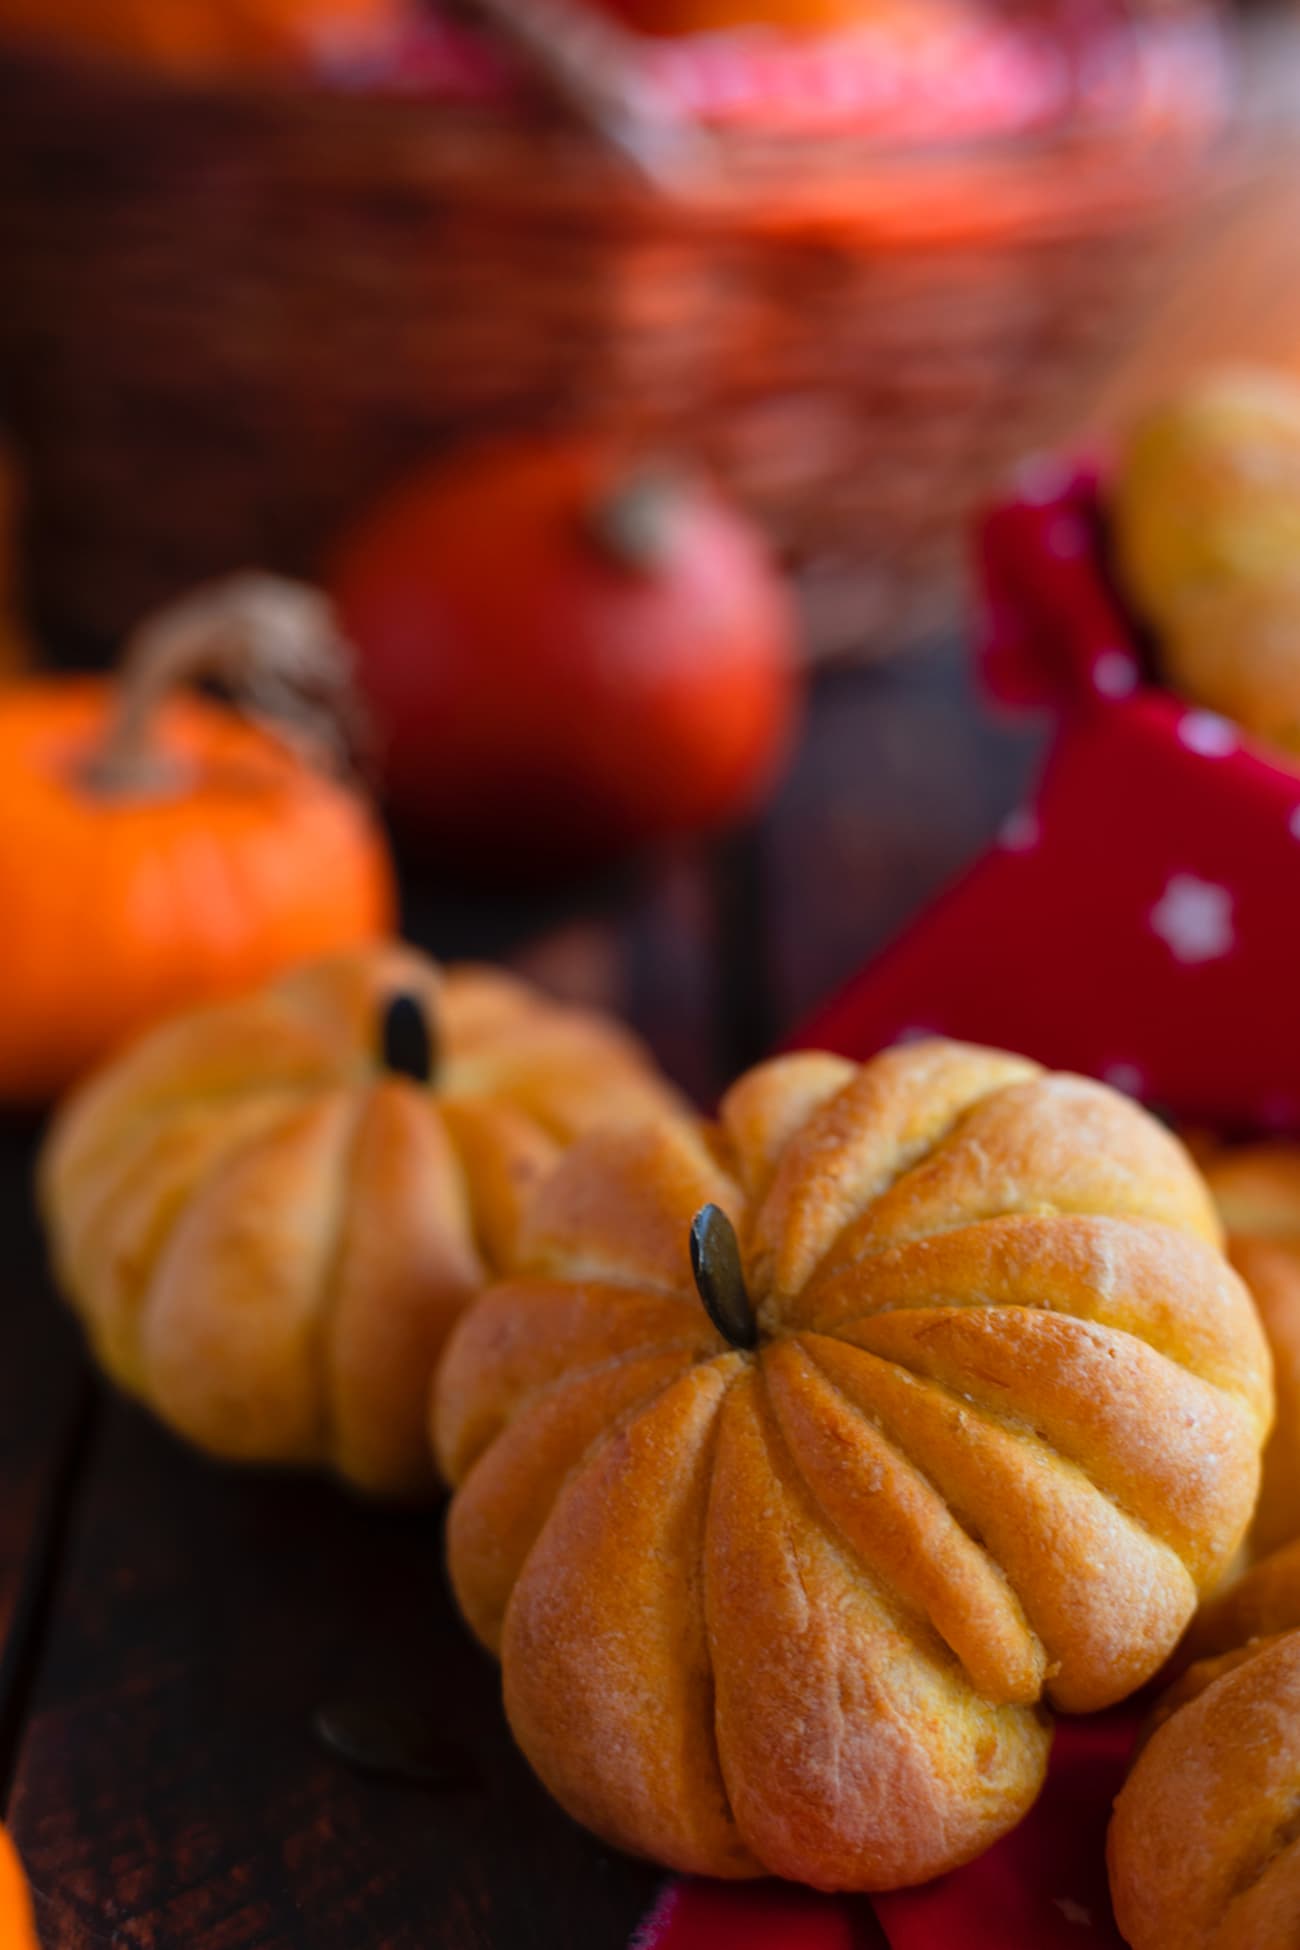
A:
[231,314]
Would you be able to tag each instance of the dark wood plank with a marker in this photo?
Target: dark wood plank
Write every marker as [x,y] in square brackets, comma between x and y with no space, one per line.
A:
[901,778]
[642,943]
[171,1790]
[656,964]
[43,1403]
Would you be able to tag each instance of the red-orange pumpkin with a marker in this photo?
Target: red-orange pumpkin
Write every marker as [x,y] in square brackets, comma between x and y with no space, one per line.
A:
[158,851]
[568,653]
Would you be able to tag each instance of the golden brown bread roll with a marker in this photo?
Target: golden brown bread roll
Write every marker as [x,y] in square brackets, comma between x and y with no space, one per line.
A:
[1204,1846]
[1206,520]
[1257,1190]
[268,1213]
[988,1421]
[1263,1602]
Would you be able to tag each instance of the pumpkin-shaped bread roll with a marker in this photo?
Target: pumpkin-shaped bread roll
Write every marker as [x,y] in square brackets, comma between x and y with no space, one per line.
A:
[269,1213]
[1257,1189]
[813,1454]
[1205,527]
[1204,1846]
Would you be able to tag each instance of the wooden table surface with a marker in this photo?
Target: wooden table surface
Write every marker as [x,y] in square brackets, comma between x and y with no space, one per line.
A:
[171,1629]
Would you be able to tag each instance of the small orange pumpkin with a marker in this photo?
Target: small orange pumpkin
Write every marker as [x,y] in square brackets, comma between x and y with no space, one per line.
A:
[17,1930]
[157,850]
[195,36]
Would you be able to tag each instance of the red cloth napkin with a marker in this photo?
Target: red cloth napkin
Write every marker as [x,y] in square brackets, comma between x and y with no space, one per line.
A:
[1139,919]
[1043,1887]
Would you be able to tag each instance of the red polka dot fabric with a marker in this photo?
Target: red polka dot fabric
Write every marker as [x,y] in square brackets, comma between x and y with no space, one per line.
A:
[1137,918]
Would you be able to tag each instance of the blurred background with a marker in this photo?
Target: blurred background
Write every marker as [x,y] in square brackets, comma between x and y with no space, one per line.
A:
[855,256]
[560,340]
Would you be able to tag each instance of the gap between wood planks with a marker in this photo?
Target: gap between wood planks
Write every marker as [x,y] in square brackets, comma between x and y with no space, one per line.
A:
[38,1588]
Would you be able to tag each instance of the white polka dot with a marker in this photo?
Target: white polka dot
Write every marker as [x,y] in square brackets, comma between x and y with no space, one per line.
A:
[1073,1912]
[916,1033]
[1207,733]
[1193,917]
[1293,824]
[1041,480]
[1019,832]
[657,1925]
[1067,538]
[1114,673]
[1126,1077]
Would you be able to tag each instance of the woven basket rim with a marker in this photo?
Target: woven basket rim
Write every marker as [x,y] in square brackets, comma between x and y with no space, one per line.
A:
[1056,183]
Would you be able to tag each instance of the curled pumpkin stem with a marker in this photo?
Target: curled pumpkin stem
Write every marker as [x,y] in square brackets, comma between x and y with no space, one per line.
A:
[274,647]
[636,521]
[407,1040]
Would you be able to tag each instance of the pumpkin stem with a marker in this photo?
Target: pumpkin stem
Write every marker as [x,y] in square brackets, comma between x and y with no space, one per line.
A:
[635,522]
[406,1040]
[273,645]
[720,1277]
